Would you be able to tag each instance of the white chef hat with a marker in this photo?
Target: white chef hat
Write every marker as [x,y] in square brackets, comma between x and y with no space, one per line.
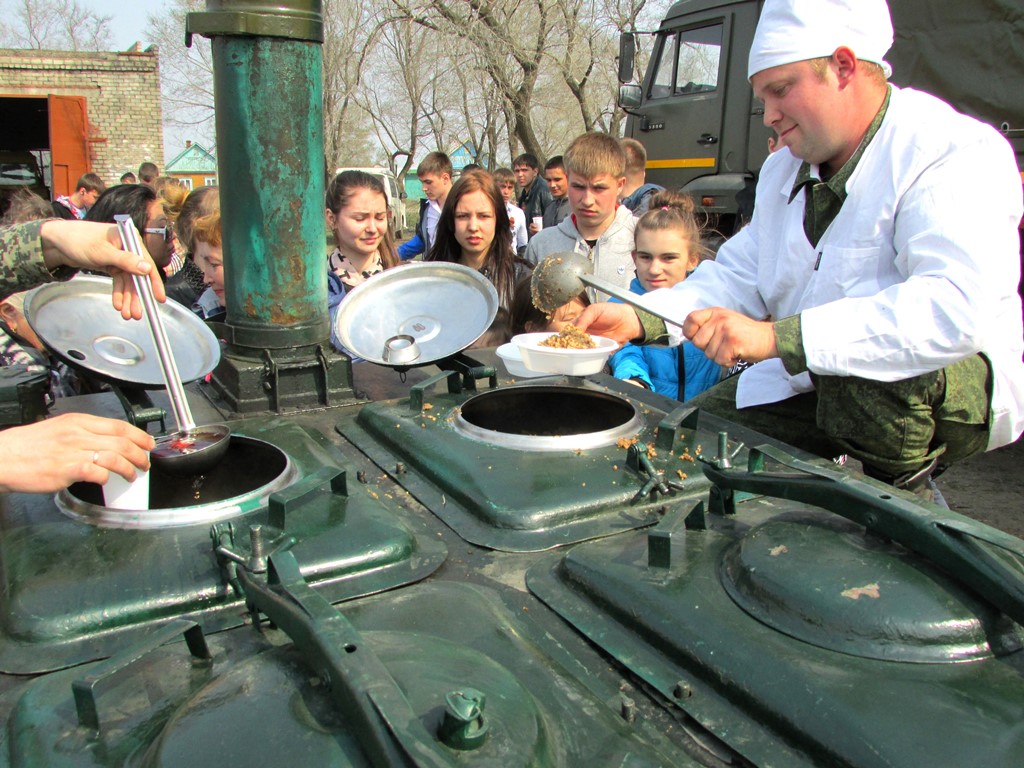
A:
[797,30]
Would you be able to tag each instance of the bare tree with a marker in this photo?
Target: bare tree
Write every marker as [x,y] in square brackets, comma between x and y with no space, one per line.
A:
[351,33]
[510,37]
[585,53]
[400,77]
[53,24]
[186,74]
[400,94]
[482,111]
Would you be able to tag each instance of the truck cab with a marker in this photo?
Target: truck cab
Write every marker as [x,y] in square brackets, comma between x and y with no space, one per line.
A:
[703,130]
[694,112]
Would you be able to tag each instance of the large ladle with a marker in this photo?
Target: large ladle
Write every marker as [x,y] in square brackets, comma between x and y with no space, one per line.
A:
[562,277]
[191,450]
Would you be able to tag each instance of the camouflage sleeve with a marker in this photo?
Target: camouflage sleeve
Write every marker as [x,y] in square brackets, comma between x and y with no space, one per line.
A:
[655,331]
[21,258]
[789,340]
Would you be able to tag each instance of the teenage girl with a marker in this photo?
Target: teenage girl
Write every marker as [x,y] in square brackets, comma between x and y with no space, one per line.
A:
[667,249]
[357,214]
[474,231]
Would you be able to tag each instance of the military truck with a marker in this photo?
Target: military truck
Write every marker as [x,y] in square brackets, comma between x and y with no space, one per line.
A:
[703,129]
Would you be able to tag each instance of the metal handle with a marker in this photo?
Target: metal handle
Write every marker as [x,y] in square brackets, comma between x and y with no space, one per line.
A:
[86,690]
[635,300]
[987,560]
[169,369]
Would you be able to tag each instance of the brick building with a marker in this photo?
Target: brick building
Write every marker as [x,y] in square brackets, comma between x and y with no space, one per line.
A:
[69,108]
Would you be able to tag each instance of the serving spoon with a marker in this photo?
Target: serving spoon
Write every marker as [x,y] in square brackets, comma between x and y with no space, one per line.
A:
[191,450]
[562,277]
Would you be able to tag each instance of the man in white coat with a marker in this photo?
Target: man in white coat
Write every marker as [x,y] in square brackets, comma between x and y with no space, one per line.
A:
[883,318]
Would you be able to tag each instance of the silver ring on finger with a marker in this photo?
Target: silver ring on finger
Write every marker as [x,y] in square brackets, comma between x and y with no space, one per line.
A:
[95,457]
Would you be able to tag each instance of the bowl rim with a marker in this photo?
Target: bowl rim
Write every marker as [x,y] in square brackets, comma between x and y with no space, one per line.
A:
[531,341]
[509,351]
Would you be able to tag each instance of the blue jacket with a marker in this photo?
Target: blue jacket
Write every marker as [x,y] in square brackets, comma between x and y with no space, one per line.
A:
[640,201]
[336,291]
[659,367]
[417,244]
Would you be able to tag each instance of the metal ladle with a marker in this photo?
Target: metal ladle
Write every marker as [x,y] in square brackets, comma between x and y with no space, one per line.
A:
[562,277]
[191,450]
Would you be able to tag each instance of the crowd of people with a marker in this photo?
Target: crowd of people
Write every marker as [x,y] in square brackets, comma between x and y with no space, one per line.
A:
[866,314]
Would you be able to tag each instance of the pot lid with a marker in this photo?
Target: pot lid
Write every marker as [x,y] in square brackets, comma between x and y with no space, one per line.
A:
[75,321]
[825,581]
[416,314]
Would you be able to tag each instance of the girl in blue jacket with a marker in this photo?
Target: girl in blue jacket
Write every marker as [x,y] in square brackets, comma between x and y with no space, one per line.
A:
[667,249]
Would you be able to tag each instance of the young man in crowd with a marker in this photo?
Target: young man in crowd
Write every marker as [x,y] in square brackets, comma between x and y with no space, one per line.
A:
[77,204]
[129,178]
[534,194]
[637,193]
[882,321]
[435,174]
[558,208]
[598,227]
[507,184]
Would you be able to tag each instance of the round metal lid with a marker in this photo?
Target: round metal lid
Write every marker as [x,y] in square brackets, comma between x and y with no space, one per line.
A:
[416,314]
[76,322]
[826,582]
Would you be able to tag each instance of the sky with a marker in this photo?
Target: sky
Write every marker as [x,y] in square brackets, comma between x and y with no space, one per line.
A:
[128,24]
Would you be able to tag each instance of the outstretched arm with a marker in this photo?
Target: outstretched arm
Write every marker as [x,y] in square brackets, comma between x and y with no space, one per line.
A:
[96,246]
[52,454]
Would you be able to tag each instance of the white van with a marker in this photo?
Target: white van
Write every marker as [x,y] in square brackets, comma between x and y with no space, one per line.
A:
[396,198]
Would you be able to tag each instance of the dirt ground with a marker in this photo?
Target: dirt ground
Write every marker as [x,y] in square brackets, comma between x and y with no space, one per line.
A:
[989,487]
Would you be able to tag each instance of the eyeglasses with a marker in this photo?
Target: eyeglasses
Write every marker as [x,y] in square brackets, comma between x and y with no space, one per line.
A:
[165,232]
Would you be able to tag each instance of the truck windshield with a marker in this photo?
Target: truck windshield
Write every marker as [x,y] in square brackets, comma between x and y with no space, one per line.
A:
[688,62]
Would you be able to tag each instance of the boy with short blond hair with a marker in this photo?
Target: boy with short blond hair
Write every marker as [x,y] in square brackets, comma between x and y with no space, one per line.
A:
[598,227]
[435,175]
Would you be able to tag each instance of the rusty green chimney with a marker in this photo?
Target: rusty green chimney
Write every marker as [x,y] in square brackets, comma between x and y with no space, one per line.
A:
[268,94]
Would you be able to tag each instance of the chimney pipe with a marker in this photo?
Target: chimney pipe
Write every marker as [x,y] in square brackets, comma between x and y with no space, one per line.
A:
[268,94]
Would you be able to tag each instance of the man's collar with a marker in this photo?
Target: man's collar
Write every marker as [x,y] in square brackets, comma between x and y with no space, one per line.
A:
[808,174]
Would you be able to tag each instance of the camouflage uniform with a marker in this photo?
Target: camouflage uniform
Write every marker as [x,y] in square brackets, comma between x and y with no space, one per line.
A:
[893,427]
[21,259]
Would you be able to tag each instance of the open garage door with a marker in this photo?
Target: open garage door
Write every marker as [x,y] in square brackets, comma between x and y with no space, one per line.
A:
[69,149]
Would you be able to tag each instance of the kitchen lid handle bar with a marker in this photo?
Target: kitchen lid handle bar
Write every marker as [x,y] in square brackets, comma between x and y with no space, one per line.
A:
[105,675]
[953,542]
[169,369]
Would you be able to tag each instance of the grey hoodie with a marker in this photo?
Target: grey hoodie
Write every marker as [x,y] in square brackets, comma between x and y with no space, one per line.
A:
[612,255]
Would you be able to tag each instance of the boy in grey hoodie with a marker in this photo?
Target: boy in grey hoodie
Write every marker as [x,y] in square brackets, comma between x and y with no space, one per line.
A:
[598,227]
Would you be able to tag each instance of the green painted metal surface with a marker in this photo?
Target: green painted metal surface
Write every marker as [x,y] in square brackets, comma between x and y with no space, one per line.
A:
[72,591]
[508,498]
[266,698]
[797,637]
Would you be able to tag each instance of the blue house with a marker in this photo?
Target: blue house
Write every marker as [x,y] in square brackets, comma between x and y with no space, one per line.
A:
[462,155]
[194,167]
